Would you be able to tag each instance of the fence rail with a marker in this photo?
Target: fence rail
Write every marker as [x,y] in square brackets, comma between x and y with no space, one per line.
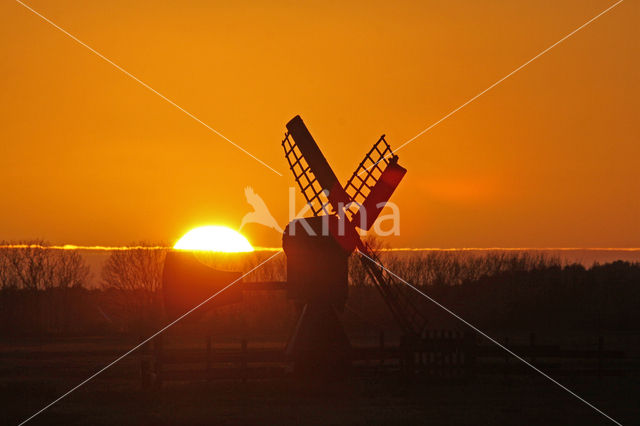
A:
[442,353]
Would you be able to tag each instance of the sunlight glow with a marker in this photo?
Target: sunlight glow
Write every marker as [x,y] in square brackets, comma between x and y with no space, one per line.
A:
[214,238]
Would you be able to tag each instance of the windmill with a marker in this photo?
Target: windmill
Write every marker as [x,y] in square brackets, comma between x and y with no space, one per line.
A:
[318,248]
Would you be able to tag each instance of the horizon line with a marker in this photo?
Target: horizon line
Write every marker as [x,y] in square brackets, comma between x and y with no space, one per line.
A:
[271,249]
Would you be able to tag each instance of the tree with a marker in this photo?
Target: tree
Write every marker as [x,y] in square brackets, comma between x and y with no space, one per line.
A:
[35,281]
[33,265]
[133,278]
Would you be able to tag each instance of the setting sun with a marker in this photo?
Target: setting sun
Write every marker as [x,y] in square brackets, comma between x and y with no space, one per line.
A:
[214,238]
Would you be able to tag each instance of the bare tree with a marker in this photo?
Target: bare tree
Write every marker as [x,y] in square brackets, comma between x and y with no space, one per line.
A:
[32,265]
[134,279]
[8,277]
[29,265]
[35,281]
[70,270]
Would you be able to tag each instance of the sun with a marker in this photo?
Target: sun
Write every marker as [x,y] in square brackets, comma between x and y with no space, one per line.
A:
[214,238]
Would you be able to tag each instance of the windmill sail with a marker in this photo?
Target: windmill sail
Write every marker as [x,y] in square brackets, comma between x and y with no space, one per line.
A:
[317,164]
[372,184]
[311,189]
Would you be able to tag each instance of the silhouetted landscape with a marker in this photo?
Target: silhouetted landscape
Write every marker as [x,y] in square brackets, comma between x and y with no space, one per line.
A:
[45,292]
[56,330]
[319,213]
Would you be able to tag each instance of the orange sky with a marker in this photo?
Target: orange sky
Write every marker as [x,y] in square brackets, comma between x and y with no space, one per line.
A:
[549,158]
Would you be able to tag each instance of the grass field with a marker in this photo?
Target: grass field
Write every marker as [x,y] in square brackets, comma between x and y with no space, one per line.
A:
[33,373]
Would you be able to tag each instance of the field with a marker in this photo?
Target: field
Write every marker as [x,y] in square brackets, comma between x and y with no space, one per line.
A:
[577,324]
[35,372]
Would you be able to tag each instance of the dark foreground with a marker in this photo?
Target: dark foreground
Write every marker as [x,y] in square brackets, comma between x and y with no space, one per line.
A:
[34,374]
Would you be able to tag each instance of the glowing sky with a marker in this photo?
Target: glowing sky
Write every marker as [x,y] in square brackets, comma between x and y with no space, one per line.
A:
[214,238]
[549,158]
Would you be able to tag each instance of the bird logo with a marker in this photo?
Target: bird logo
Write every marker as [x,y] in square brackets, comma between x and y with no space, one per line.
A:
[260,213]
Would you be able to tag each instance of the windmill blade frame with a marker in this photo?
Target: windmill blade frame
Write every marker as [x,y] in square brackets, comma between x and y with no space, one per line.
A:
[378,156]
[316,166]
[372,183]
[311,190]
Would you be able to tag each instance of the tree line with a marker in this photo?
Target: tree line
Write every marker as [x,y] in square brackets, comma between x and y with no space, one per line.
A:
[46,291]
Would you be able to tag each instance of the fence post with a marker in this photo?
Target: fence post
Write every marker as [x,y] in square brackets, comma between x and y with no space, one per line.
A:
[381,340]
[532,349]
[428,344]
[507,369]
[243,361]
[447,345]
[470,355]
[600,356]
[158,357]
[407,354]
[208,359]
[458,336]
[145,371]
[439,354]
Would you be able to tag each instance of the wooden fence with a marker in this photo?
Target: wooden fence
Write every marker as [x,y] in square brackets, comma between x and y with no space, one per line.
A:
[440,354]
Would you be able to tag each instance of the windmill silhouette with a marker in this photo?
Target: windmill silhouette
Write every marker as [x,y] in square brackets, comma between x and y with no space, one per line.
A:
[317,261]
[317,250]
[260,214]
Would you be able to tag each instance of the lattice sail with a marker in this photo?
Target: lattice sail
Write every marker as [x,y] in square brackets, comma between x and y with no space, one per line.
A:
[372,184]
[315,197]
